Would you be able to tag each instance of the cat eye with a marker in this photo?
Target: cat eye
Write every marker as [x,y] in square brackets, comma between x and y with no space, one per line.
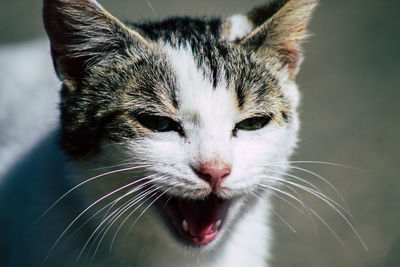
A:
[159,123]
[253,123]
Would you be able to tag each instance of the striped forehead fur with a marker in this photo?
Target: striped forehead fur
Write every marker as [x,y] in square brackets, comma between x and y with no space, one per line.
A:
[251,75]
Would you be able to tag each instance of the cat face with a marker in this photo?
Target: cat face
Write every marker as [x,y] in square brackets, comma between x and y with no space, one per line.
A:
[204,111]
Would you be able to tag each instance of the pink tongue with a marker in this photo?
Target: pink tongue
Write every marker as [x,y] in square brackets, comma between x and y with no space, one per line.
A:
[201,216]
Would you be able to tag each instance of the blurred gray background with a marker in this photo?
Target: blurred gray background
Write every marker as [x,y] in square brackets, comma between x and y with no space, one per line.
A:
[350,83]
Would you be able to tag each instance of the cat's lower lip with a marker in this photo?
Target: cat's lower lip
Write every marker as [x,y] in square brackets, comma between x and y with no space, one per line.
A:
[195,222]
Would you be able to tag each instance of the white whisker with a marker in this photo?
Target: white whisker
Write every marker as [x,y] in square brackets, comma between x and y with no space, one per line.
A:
[91,217]
[126,218]
[141,214]
[112,204]
[152,194]
[283,220]
[115,216]
[277,214]
[315,175]
[89,207]
[316,193]
[324,163]
[323,179]
[297,178]
[287,202]
[305,207]
[111,217]
[133,164]
[286,194]
[331,203]
[117,211]
[85,182]
[328,227]
[148,2]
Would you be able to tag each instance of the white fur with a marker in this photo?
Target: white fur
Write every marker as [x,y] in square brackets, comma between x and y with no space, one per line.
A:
[208,114]
[240,26]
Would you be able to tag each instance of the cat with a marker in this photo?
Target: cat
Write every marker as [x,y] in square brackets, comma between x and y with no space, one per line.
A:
[173,135]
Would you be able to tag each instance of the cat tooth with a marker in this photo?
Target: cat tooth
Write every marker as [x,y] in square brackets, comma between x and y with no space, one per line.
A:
[185,226]
[217,225]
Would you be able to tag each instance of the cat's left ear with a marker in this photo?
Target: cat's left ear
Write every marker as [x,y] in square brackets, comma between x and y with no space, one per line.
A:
[277,28]
[82,33]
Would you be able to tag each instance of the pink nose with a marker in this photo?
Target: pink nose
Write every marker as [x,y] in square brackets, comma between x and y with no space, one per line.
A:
[213,174]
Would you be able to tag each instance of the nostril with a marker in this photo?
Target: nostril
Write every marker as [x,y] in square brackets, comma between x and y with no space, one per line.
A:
[226,174]
[204,176]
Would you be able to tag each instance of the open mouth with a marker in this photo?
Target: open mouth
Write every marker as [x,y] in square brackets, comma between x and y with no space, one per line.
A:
[196,222]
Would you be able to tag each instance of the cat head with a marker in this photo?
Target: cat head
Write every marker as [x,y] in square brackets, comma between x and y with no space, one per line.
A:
[204,108]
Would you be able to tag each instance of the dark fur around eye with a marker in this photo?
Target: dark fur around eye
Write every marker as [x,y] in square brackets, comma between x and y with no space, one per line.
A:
[159,123]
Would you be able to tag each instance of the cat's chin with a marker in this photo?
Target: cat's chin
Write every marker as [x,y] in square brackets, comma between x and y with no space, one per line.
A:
[194,222]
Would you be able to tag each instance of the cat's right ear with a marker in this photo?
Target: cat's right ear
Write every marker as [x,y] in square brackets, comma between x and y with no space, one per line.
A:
[82,33]
[277,28]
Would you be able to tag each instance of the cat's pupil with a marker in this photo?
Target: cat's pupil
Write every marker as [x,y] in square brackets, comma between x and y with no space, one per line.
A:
[159,123]
[253,123]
